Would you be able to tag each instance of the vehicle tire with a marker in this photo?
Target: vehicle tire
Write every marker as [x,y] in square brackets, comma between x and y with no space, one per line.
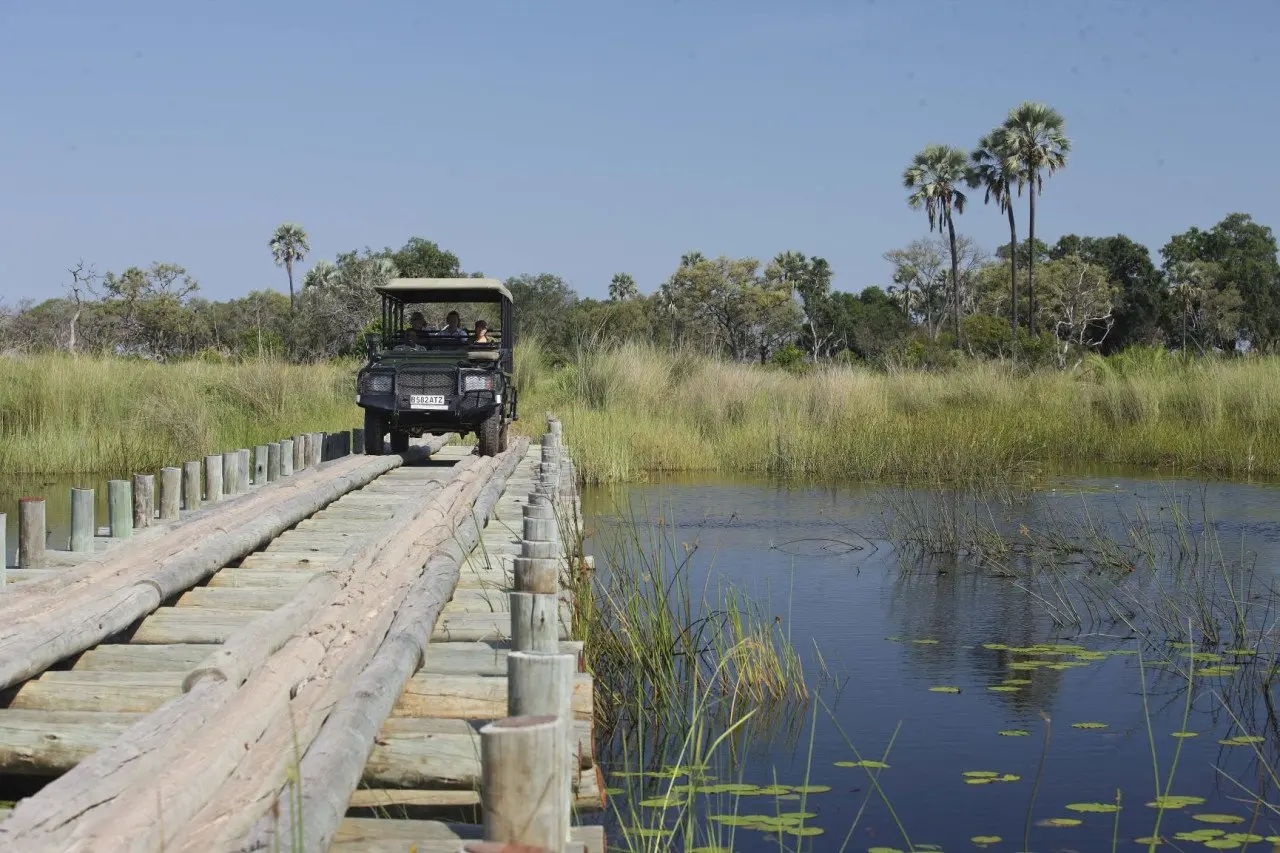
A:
[374,429]
[399,441]
[489,434]
[502,438]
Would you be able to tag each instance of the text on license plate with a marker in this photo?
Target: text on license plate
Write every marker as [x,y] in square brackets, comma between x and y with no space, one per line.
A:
[426,401]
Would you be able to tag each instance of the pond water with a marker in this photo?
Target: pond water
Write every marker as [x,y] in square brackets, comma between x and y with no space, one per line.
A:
[891,626]
[56,491]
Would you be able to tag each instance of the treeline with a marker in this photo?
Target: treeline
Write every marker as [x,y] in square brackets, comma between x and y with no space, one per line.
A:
[1213,290]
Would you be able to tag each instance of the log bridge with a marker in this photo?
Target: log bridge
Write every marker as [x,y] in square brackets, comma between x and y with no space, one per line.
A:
[317,651]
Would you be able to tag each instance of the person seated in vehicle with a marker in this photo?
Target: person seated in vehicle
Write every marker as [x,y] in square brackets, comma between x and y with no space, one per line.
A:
[417,332]
[482,333]
[453,327]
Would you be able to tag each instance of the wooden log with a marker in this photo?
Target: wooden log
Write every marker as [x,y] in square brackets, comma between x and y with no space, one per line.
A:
[114,658]
[60,692]
[230,475]
[213,479]
[357,440]
[537,575]
[120,508]
[191,486]
[286,457]
[263,578]
[480,697]
[244,465]
[299,452]
[236,598]
[379,834]
[314,447]
[31,533]
[170,493]
[273,461]
[192,625]
[144,500]
[261,454]
[588,795]
[479,660]
[534,622]
[541,683]
[523,789]
[541,550]
[83,524]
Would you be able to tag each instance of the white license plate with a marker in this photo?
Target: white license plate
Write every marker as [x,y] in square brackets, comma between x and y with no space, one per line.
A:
[427,401]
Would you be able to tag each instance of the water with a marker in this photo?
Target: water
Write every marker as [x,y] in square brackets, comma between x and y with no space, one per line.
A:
[846,597]
[56,490]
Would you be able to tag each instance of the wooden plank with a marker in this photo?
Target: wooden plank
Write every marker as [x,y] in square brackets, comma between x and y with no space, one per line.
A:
[292,579]
[192,625]
[88,691]
[385,835]
[477,627]
[588,796]
[49,743]
[236,598]
[474,697]
[130,657]
[476,658]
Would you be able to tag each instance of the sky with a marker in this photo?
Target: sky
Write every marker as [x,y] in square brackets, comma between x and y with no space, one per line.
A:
[589,138]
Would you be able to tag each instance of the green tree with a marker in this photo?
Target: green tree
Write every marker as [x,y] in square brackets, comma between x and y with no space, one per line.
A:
[1036,143]
[288,245]
[811,280]
[1078,304]
[745,313]
[420,258]
[994,171]
[544,308]
[935,176]
[623,288]
[1141,305]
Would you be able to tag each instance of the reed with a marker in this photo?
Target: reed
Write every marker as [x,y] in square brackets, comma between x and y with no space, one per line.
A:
[60,414]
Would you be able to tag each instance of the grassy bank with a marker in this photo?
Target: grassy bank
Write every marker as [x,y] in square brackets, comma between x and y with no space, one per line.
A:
[73,415]
[634,410]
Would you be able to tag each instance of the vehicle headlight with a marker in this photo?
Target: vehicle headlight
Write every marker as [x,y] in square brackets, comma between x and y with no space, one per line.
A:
[477,382]
[376,383]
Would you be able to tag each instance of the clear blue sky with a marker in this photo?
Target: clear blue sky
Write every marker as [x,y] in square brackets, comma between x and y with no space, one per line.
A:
[585,138]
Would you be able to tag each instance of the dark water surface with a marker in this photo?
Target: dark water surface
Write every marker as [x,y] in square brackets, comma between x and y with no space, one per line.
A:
[890,632]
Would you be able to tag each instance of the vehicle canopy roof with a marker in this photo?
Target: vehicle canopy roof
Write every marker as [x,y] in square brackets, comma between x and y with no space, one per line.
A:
[410,290]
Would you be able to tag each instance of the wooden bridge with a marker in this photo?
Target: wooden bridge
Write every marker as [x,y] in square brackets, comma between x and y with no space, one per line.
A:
[316,651]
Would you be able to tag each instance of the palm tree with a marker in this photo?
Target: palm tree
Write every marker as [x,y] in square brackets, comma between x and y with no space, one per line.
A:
[622,288]
[992,171]
[1037,143]
[289,244]
[935,175]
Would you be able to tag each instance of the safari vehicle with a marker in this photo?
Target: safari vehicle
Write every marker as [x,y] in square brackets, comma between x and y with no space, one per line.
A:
[422,378]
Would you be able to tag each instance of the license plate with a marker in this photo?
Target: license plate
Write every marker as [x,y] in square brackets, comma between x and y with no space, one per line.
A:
[427,401]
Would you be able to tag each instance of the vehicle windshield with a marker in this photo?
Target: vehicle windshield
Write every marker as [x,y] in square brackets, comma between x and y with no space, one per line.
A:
[445,325]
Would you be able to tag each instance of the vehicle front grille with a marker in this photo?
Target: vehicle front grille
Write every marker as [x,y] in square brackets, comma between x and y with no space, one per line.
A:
[436,382]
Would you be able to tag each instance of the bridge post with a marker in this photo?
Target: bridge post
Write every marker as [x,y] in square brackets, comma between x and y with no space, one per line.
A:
[261,455]
[120,509]
[286,457]
[4,549]
[521,771]
[31,533]
[243,466]
[191,486]
[299,452]
[357,440]
[542,683]
[273,461]
[82,520]
[170,493]
[229,478]
[144,496]
[213,467]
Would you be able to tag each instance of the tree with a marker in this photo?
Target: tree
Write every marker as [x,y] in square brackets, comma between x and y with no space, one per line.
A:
[1245,253]
[544,309]
[811,279]
[1035,142]
[993,170]
[1078,299]
[623,287]
[78,291]
[1141,305]
[743,312]
[919,265]
[289,244]
[935,176]
[340,303]
[420,258]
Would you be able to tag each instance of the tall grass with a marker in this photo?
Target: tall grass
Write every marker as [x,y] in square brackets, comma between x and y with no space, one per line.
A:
[60,414]
[634,410]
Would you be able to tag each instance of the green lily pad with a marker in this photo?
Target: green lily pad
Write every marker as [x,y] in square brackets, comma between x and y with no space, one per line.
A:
[996,647]
[1244,653]
[1004,688]
[944,689]
[866,762]
[926,642]
[1020,682]
[803,831]
[1088,725]
[1222,844]
[883,850]
[980,774]
[664,802]
[1149,840]
[1093,808]
[1242,740]
[1224,669]
[1217,818]
[614,792]
[1198,835]
[649,831]
[772,790]
[1185,734]
[989,780]
[1059,821]
[810,789]
[984,840]
[1175,801]
[1245,837]
[1015,733]
[1204,657]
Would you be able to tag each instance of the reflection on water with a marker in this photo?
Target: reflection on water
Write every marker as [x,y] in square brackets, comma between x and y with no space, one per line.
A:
[813,554]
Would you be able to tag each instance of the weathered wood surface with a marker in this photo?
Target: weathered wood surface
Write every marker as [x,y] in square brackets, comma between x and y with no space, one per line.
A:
[384,835]
[524,792]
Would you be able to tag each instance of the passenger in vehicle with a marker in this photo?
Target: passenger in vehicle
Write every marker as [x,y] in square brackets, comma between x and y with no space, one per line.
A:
[417,332]
[482,332]
[453,326]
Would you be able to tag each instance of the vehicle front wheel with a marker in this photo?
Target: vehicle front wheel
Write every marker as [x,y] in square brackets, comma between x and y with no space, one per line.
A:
[489,434]
[374,429]
[399,441]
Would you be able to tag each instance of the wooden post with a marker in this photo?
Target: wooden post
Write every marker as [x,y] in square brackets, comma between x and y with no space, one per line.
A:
[535,622]
[4,549]
[213,468]
[229,479]
[315,449]
[31,533]
[357,441]
[540,529]
[82,521]
[120,509]
[261,457]
[541,683]
[191,486]
[144,500]
[522,773]
[170,493]
[299,452]
[273,461]
[286,457]
[243,465]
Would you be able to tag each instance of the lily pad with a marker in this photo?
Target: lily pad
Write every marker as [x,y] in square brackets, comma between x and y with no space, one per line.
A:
[1175,801]
[996,647]
[944,689]
[1222,844]
[803,831]
[925,642]
[1198,835]
[664,802]
[1004,688]
[1021,682]
[1185,734]
[1149,840]
[1224,669]
[740,788]
[1093,808]
[1088,725]
[1241,740]
[810,789]
[1217,818]
[980,774]
[1246,837]
[984,840]
[1244,653]
[614,792]
[866,762]
[1059,821]
[1205,657]
[1015,733]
